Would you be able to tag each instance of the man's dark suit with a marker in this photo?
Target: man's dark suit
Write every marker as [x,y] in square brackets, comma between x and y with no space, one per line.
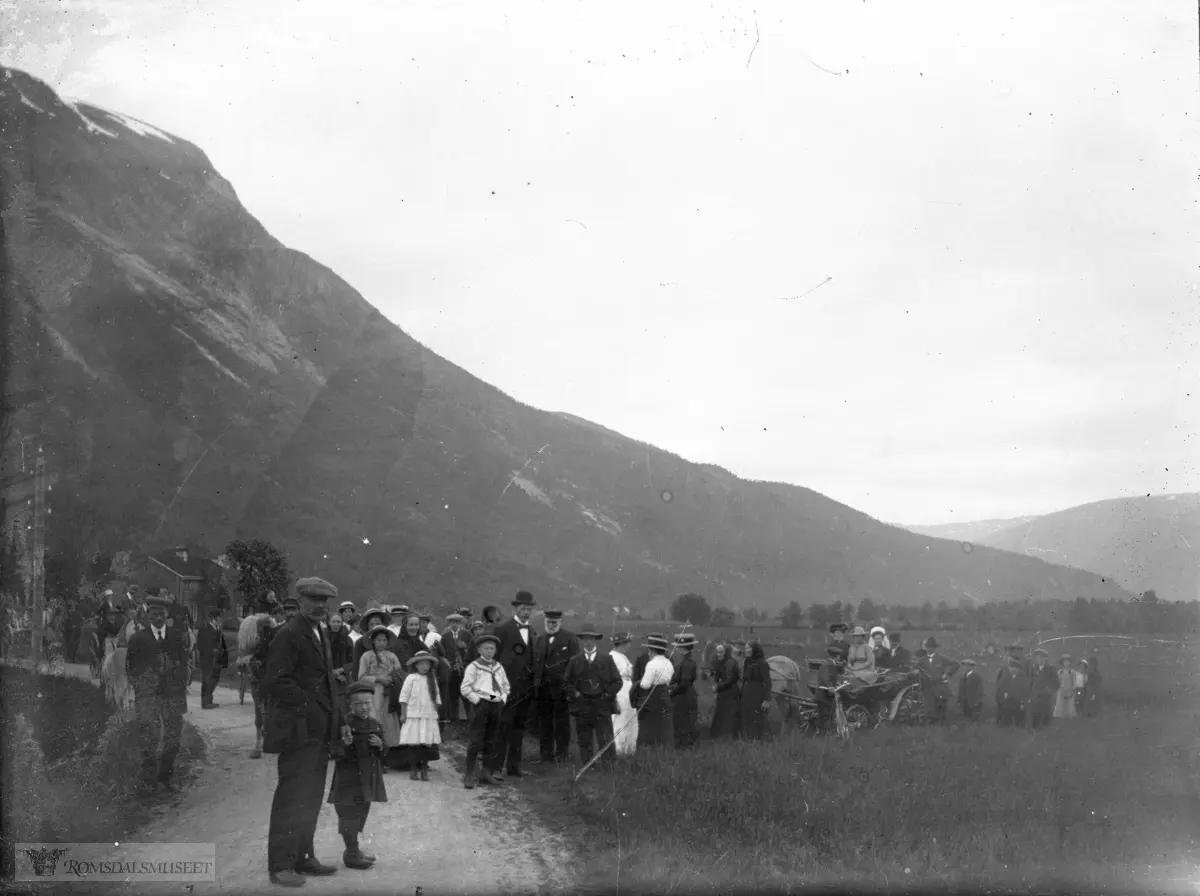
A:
[456,649]
[592,689]
[158,671]
[303,721]
[214,656]
[551,655]
[517,659]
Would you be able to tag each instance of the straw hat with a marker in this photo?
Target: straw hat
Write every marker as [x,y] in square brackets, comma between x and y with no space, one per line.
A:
[657,641]
[419,656]
[487,637]
[686,640]
[859,630]
[621,638]
[380,629]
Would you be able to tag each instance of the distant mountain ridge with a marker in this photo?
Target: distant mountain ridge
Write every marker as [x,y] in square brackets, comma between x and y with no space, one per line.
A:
[193,381]
[1145,543]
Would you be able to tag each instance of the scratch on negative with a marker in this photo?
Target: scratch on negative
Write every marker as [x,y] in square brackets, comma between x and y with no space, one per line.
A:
[514,476]
[756,38]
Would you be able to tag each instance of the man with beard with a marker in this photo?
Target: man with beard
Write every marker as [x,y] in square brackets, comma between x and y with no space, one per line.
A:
[554,650]
[514,651]
[304,726]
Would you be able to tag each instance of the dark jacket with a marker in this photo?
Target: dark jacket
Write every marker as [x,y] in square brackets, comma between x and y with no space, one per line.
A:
[597,682]
[935,671]
[516,657]
[725,719]
[456,648]
[1012,687]
[358,774]
[636,694]
[883,657]
[211,646]
[970,692]
[157,669]
[901,658]
[406,647]
[684,683]
[302,705]
[1045,683]
[341,648]
[550,658]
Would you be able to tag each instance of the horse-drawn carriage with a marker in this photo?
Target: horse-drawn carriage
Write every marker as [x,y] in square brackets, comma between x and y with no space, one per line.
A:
[852,704]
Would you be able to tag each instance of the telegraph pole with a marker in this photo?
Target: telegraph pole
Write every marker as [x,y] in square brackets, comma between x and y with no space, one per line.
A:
[39,555]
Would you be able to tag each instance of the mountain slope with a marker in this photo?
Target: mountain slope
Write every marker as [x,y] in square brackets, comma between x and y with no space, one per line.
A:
[195,380]
[975,531]
[1150,542]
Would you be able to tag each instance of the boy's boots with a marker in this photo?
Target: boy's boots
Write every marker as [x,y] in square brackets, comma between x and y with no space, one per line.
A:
[485,776]
[354,857]
[469,775]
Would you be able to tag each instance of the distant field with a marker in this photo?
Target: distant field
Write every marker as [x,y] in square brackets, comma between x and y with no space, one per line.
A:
[1110,804]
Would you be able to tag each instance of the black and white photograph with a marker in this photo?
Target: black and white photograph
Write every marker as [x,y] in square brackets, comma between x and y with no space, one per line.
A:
[576,447]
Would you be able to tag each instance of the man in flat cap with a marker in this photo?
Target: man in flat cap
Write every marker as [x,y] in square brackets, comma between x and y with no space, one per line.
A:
[456,648]
[514,651]
[213,654]
[1044,687]
[157,667]
[554,651]
[304,725]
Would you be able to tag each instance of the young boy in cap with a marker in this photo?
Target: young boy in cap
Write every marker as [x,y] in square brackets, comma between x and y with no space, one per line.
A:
[358,774]
[485,687]
[593,683]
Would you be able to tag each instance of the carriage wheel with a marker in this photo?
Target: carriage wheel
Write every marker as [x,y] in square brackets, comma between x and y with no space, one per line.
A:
[859,717]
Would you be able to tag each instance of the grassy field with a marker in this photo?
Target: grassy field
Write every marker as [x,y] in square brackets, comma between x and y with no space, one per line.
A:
[1106,804]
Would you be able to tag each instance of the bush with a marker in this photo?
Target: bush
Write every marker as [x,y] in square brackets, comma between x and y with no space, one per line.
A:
[65,713]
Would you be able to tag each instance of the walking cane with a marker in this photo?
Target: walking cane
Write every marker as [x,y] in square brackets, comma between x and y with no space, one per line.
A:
[601,752]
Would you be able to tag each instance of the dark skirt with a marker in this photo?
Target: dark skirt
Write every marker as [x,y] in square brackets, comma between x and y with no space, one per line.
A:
[753,717]
[685,709]
[725,714]
[418,753]
[656,721]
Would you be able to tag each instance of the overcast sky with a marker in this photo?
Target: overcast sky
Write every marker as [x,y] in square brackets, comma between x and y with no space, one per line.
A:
[987,214]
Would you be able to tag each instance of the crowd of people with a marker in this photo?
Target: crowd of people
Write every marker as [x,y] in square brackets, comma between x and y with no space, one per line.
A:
[374,691]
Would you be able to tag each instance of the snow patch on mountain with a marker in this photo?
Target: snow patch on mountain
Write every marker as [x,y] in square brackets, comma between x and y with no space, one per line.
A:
[31,104]
[92,127]
[138,127]
[531,489]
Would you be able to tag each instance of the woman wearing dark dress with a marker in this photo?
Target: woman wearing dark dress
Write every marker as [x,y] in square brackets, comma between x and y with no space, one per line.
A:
[684,705]
[725,678]
[756,693]
[409,642]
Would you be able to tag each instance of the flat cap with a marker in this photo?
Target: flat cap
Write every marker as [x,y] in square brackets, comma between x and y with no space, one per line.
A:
[361,687]
[155,601]
[315,588]
[290,602]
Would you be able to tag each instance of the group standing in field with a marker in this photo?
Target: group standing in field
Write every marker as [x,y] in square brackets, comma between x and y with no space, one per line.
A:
[373,693]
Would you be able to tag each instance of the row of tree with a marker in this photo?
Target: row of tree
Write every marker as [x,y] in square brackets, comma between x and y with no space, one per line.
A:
[1146,614]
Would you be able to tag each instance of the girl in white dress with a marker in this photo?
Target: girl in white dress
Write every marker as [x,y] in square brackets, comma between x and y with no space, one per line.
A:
[625,720]
[420,701]
[380,667]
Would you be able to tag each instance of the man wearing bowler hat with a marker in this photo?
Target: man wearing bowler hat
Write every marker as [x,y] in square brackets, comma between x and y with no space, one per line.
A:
[593,683]
[514,651]
[304,725]
[554,650]
[214,656]
[935,671]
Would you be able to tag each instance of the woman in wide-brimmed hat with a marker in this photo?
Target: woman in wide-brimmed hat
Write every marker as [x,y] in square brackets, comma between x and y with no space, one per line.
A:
[380,667]
[625,719]
[420,701]
[656,724]
[684,705]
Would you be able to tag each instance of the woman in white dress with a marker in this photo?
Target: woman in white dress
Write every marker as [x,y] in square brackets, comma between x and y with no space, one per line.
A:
[380,667]
[625,720]
[1064,699]
[117,687]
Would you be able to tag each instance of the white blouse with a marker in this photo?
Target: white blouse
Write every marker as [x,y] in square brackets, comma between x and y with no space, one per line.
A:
[658,671]
[621,661]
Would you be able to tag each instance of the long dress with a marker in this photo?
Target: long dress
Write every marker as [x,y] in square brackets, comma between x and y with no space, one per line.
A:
[625,720]
[725,712]
[379,668]
[860,662]
[756,690]
[118,689]
[1064,699]
[657,724]
[684,704]
[420,734]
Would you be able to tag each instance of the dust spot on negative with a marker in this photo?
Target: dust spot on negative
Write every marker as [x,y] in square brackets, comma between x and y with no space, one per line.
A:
[667,496]
[967,547]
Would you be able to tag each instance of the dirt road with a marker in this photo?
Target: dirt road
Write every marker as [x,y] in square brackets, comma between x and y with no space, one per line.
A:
[431,838]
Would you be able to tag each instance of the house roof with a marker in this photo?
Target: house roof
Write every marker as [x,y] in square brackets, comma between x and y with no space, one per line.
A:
[193,568]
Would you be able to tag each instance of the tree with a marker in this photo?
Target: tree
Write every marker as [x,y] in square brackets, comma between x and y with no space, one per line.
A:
[867,612]
[691,608]
[261,567]
[927,617]
[1149,597]
[791,616]
[722,616]
[820,616]
[752,615]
